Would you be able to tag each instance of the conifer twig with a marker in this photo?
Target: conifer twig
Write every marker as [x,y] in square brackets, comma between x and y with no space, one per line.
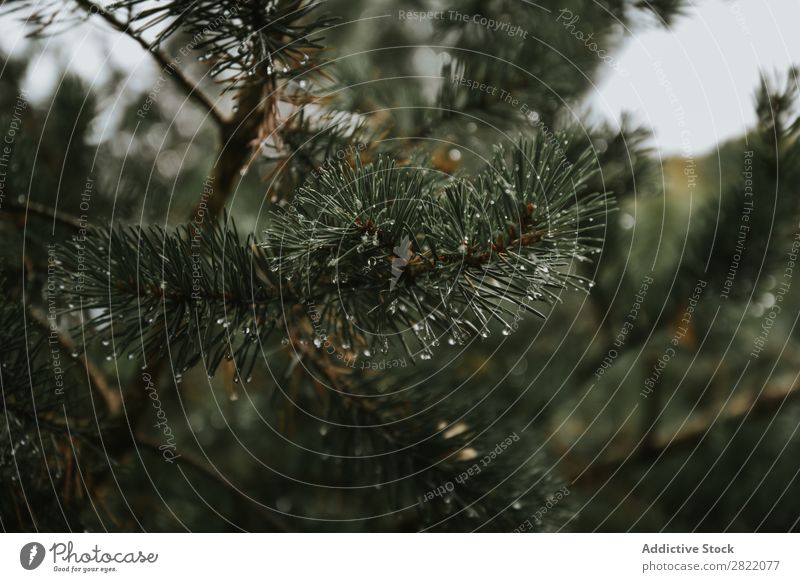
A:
[188,87]
[34,208]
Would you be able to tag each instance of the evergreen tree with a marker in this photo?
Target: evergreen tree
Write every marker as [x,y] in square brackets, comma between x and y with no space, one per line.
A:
[319,290]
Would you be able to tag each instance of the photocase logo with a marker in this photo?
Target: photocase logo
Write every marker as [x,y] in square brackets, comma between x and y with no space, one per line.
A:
[403,254]
[31,555]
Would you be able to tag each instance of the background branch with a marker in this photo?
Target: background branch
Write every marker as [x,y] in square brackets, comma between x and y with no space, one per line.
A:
[687,438]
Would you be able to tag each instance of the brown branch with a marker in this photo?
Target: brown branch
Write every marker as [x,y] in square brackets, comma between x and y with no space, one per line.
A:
[254,116]
[687,438]
[191,90]
[523,235]
[473,260]
[333,375]
[43,211]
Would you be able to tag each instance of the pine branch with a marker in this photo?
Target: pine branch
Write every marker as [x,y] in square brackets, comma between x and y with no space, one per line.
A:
[194,293]
[43,15]
[42,414]
[252,122]
[689,438]
[476,254]
[42,211]
[420,445]
[252,46]
[247,42]
[665,11]
[739,223]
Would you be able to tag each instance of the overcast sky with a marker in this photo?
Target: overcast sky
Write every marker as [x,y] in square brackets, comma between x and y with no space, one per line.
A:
[706,67]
